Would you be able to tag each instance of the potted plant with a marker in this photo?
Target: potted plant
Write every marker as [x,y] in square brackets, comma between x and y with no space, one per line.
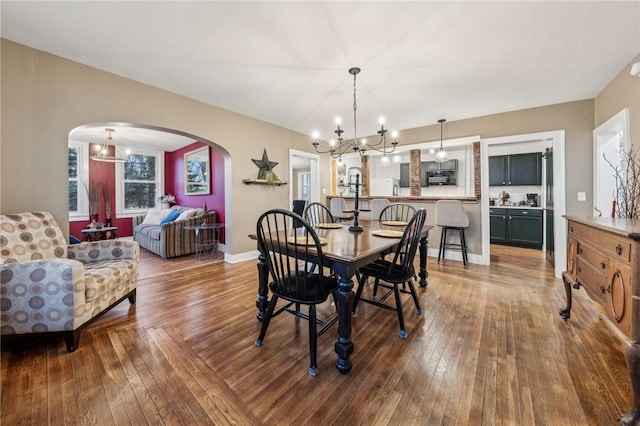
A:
[271,178]
[94,194]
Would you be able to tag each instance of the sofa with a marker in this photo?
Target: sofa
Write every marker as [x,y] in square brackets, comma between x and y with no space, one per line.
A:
[171,239]
[47,286]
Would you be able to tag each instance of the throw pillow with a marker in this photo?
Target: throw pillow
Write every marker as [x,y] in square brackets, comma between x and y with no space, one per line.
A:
[154,216]
[170,217]
[186,214]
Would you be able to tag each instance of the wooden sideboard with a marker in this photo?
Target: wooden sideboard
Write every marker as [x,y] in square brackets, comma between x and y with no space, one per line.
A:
[603,258]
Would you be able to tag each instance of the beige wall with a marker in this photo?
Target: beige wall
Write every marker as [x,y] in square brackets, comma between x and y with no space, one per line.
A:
[44,97]
[622,92]
[576,118]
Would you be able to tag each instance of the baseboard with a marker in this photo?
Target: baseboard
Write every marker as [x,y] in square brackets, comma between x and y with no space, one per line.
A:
[241,257]
[456,255]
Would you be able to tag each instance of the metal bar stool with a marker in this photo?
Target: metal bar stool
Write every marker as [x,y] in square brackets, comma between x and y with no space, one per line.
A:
[451,215]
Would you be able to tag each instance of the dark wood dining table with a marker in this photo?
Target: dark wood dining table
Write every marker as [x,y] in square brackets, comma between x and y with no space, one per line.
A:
[344,253]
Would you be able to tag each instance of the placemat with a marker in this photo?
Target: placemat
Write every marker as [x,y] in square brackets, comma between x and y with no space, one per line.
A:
[394,223]
[387,233]
[329,225]
[303,241]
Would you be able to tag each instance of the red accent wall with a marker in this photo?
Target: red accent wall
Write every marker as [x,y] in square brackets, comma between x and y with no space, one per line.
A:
[174,184]
[174,181]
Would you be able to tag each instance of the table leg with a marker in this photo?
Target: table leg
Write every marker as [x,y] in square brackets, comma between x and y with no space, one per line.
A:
[344,304]
[423,262]
[263,288]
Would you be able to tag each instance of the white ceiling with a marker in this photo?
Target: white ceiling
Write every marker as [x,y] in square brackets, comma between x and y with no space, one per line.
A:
[286,62]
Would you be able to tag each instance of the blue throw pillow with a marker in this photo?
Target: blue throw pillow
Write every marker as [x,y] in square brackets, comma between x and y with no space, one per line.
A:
[170,217]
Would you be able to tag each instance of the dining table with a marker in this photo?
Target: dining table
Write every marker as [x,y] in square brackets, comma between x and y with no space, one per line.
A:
[344,253]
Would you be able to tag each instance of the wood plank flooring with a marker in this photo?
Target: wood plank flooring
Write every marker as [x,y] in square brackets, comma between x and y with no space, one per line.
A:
[490,349]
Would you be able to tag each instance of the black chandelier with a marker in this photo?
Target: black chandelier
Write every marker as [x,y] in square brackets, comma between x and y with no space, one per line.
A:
[337,148]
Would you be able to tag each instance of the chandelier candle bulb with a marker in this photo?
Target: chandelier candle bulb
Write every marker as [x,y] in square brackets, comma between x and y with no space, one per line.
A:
[337,148]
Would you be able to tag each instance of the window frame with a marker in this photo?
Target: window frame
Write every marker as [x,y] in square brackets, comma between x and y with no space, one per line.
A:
[83,179]
[121,211]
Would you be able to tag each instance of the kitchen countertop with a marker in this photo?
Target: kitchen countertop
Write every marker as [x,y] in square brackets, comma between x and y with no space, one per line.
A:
[516,207]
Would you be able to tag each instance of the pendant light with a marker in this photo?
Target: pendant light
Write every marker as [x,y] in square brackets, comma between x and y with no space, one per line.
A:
[103,151]
[441,155]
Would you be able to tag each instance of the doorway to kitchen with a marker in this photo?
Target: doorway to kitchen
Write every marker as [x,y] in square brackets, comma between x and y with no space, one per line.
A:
[303,175]
[521,144]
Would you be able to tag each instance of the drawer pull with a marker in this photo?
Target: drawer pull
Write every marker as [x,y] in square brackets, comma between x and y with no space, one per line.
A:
[618,249]
[579,250]
[603,289]
[616,274]
[603,264]
[579,270]
[571,228]
[525,212]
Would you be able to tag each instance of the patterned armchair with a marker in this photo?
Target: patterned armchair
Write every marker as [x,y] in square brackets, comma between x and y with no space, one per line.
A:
[47,286]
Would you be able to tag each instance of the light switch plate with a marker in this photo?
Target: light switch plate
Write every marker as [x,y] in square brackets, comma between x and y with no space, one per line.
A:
[582,196]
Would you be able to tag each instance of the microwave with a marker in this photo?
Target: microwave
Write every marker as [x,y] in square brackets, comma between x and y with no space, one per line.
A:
[441,177]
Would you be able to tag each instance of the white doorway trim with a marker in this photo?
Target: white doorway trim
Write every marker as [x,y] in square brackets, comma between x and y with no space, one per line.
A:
[314,181]
[602,136]
[557,139]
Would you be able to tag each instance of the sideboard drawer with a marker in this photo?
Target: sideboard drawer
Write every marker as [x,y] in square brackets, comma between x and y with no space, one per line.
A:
[618,247]
[595,258]
[592,279]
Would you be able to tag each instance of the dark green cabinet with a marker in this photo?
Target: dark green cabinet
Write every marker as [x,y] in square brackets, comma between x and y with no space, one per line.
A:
[498,170]
[515,169]
[518,227]
[498,225]
[404,174]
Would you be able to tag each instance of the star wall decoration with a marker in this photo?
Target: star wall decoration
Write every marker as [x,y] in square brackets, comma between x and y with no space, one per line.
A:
[264,165]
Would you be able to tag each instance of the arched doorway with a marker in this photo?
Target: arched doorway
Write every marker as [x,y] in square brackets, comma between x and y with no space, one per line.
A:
[168,146]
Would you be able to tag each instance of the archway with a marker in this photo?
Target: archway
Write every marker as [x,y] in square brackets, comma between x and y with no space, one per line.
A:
[170,145]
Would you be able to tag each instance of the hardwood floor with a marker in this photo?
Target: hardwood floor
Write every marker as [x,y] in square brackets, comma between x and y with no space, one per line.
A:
[490,348]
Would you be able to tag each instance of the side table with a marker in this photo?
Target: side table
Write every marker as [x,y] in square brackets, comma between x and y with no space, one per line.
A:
[206,248]
[97,234]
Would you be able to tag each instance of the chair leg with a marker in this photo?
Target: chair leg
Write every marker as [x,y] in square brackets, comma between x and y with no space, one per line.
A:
[443,243]
[313,341]
[463,245]
[396,291]
[375,288]
[72,339]
[267,318]
[361,282]
[414,295]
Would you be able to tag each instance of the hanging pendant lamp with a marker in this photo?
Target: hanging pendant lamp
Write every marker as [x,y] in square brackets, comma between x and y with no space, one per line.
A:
[441,155]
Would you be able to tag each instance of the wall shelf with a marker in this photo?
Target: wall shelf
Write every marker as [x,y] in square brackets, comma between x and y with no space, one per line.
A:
[262,182]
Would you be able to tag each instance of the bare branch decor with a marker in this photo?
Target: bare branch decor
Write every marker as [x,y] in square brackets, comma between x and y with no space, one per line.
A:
[627,192]
[94,192]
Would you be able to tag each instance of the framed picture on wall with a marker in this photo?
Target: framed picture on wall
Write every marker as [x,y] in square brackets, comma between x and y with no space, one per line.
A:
[196,172]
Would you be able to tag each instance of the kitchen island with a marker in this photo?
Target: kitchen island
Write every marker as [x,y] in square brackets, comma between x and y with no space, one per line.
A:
[471,204]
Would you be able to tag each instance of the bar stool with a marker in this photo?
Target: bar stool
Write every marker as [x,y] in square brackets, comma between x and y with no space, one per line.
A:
[451,215]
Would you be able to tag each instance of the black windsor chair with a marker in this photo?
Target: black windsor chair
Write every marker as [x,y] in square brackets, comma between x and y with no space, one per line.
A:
[316,213]
[288,251]
[400,270]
